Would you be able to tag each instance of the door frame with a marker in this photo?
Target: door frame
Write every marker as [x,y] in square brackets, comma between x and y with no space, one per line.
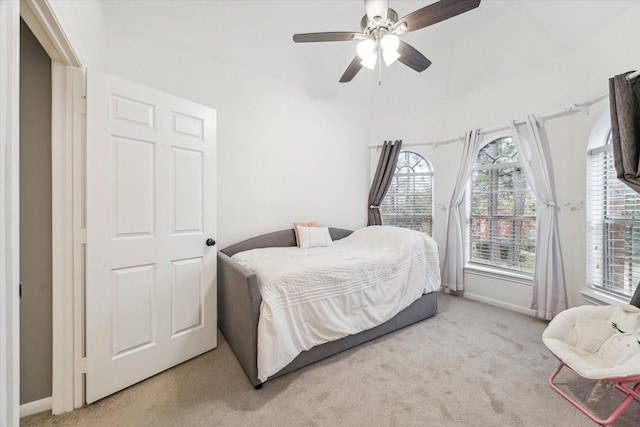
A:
[67,151]
[67,203]
[9,212]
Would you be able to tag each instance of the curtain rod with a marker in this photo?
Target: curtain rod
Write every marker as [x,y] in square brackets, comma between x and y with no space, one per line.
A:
[572,109]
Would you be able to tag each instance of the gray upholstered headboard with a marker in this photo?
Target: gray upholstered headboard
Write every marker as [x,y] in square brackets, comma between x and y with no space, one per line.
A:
[276,239]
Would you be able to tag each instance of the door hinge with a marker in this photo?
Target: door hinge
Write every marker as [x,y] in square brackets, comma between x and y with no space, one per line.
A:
[82,365]
[83,236]
[83,105]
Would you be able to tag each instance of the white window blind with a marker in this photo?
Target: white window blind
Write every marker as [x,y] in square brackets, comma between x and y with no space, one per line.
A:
[409,200]
[501,209]
[613,226]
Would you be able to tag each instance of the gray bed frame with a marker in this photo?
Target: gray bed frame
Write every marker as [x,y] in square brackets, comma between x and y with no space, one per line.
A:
[239,309]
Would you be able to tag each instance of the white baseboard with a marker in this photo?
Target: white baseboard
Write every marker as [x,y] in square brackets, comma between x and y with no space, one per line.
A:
[36,407]
[501,304]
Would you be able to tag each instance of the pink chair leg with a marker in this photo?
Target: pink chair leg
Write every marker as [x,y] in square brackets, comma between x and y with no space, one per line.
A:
[620,385]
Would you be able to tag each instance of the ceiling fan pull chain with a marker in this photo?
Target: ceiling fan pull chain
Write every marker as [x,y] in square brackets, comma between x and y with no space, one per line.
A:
[379,66]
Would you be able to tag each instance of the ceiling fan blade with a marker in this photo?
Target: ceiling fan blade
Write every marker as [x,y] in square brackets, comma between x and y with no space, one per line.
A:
[410,57]
[376,8]
[436,12]
[351,70]
[327,37]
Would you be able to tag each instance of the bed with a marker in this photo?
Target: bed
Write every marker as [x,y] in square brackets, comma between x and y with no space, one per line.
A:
[247,269]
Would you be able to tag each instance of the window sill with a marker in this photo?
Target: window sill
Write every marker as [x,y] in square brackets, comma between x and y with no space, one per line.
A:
[596,297]
[496,273]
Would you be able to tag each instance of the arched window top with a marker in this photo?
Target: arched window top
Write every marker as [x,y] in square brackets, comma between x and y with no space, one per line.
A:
[601,132]
[410,162]
[498,151]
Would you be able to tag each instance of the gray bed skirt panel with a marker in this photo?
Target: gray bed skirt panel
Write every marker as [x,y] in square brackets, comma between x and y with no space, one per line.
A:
[238,312]
[239,309]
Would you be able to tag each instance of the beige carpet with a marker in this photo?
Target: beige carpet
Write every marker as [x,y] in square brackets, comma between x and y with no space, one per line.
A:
[470,365]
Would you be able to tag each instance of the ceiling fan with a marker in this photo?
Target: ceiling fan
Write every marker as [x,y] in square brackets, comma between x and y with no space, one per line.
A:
[380,30]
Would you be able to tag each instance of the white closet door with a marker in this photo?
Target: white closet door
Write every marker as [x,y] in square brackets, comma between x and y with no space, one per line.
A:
[151,207]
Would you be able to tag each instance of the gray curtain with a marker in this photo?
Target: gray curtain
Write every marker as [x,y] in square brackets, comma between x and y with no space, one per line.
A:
[635,299]
[382,179]
[624,99]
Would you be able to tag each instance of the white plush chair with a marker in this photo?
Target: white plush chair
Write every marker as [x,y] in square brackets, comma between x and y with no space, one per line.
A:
[599,343]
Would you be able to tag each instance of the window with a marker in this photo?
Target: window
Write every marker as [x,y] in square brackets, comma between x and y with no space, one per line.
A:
[501,210]
[409,201]
[613,225]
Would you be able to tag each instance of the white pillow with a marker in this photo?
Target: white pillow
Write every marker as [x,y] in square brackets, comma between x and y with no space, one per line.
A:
[304,224]
[312,237]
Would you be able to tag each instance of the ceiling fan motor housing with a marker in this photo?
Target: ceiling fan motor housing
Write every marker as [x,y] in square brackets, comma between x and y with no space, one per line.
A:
[385,24]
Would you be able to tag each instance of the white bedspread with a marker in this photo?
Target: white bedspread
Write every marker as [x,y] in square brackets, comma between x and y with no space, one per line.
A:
[317,295]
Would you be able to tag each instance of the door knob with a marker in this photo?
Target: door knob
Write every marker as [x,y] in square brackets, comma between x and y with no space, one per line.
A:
[210,242]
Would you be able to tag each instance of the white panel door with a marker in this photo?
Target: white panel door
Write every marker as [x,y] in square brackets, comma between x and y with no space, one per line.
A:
[151,207]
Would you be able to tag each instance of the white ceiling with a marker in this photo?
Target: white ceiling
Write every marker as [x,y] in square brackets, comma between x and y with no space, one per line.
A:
[498,39]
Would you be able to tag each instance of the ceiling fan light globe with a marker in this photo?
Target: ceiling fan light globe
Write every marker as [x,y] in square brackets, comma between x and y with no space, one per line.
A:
[390,42]
[390,56]
[370,61]
[365,48]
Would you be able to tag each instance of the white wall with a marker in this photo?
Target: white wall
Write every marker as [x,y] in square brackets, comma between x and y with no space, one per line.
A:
[279,144]
[541,88]
[284,154]
[83,23]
